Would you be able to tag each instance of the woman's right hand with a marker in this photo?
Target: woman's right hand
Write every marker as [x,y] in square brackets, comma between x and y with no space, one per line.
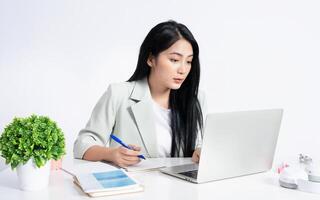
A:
[124,157]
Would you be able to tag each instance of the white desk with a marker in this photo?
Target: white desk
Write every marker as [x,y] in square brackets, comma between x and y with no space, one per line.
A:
[159,186]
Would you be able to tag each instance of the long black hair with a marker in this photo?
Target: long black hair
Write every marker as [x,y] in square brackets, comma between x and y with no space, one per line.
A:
[186,114]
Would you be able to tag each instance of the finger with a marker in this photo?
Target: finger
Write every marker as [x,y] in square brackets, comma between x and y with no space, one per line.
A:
[198,156]
[198,151]
[122,165]
[128,152]
[129,162]
[194,159]
[134,147]
[195,156]
[121,162]
[131,158]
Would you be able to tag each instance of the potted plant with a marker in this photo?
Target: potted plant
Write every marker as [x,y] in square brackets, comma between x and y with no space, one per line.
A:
[29,144]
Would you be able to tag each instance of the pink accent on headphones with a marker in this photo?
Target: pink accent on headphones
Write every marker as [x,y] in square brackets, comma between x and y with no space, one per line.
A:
[282,167]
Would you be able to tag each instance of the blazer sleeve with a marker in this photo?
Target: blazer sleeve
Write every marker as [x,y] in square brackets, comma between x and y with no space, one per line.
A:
[204,110]
[99,126]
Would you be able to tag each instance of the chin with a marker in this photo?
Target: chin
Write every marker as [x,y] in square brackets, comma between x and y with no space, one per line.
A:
[175,86]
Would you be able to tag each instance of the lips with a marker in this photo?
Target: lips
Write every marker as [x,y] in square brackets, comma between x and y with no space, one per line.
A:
[178,80]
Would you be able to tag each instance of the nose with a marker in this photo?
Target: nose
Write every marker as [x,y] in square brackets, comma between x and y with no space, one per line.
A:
[182,69]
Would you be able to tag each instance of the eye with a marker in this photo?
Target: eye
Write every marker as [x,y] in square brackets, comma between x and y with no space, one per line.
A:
[189,62]
[173,60]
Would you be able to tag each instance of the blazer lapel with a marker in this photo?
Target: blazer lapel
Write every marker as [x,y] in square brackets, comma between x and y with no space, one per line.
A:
[144,116]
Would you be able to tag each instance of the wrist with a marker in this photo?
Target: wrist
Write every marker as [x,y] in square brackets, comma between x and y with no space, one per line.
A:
[108,154]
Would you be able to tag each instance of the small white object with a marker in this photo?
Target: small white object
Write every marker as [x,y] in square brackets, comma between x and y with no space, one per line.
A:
[32,178]
[290,175]
[313,172]
[305,178]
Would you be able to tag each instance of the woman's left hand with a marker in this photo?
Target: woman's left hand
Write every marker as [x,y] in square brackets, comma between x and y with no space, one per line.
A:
[196,155]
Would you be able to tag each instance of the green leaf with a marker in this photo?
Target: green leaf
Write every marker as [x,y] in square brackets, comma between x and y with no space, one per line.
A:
[36,137]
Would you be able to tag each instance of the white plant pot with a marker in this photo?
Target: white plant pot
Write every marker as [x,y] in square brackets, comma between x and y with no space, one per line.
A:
[32,178]
[2,163]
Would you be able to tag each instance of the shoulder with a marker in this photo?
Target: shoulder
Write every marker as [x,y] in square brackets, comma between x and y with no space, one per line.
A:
[120,90]
[115,95]
[121,87]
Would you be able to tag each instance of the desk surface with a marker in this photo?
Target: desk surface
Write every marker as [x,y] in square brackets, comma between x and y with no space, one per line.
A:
[159,186]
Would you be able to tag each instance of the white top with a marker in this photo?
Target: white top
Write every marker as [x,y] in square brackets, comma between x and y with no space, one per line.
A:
[163,130]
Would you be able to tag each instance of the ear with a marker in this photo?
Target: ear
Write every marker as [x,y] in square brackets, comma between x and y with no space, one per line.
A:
[150,60]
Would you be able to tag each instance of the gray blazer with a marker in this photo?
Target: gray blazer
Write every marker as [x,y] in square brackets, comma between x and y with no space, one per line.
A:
[125,110]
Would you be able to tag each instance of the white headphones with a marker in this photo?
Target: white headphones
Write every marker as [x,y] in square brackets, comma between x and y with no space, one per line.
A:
[304,177]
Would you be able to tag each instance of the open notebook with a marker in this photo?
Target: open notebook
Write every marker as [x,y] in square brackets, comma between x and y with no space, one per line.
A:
[157,163]
[147,165]
[100,179]
[107,183]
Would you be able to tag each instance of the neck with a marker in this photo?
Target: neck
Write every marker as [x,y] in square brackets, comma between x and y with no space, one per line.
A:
[159,93]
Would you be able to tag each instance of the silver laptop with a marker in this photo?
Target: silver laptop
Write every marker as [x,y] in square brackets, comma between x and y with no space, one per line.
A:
[234,144]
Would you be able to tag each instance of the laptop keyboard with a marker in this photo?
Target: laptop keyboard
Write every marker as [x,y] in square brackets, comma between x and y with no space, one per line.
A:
[192,174]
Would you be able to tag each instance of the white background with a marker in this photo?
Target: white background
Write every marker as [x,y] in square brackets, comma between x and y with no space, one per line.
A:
[58,57]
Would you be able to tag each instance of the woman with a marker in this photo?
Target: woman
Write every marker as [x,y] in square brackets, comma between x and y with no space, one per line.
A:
[158,109]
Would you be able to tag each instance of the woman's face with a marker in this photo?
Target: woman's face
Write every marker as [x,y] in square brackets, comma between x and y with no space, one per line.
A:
[171,67]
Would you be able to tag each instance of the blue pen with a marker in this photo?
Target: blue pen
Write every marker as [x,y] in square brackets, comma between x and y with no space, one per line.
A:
[124,145]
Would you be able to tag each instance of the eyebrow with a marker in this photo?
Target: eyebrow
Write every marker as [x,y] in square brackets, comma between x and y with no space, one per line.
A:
[179,54]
